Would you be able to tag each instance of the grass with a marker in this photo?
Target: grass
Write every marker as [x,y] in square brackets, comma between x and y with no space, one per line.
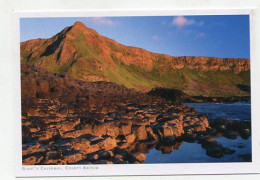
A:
[193,82]
[130,76]
[90,64]
[215,83]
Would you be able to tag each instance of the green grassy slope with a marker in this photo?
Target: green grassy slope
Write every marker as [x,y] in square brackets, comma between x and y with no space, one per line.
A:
[90,66]
[192,82]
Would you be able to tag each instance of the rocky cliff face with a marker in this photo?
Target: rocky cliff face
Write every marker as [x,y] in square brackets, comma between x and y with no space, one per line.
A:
[83,54]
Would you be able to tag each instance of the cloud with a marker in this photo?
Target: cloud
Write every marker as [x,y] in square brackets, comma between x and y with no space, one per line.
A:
[104,21]
[156,38]
[181,21]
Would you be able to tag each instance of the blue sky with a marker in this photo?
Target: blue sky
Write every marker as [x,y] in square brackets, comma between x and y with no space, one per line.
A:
[214,35]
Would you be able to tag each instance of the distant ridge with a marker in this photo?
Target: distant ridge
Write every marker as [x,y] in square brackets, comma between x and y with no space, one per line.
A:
[80,52]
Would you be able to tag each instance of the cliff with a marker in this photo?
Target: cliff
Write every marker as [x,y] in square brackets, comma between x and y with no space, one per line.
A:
[83,54]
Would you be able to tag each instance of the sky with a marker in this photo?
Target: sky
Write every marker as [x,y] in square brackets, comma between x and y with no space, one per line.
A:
[206,35]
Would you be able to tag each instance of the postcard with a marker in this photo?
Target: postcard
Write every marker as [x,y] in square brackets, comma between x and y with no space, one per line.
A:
[134,93]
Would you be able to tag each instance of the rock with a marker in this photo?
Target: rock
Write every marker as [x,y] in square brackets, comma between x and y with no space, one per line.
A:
[136,162]
[222,127]
[190,137]
[231,134]
[44,89]
[245,133]
[28,89]
[117,160]
[26,131]
[228,151]
[113,131]
[99,129]
[152,118]
[73,134]
[126,129]
[81,144]
[91,121]
[246,157]
[95,116]
[140,132]
[107,143]
[102,162]
[167,131]
[32,160]
[168,140]
[151,134]
[122,152]
[123,145]
[83,162]
[130,138]
[69,126]
[119,156]
[92,157]
[31,148]
[207,140]
[212,131]
[140,157]
[73,156]
[199,128]
[215,151]
[103,154]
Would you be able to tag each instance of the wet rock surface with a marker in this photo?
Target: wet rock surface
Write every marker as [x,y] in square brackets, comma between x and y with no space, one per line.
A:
[66,121]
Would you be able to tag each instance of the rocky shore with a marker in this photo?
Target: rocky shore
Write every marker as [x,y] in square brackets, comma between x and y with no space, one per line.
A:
[179,97]
[66,121]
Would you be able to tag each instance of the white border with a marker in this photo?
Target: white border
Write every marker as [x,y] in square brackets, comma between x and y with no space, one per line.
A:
[137,169]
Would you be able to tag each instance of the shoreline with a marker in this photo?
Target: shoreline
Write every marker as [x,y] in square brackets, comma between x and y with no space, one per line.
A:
[180,97]
[224,100]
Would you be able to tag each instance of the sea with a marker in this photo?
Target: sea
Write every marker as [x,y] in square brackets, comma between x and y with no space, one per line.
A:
[192,152]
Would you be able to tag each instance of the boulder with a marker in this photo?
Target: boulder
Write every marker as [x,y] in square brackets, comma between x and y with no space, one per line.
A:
[125,129]
[102,162]
[32,160]
[231,134]
[73,133]
[107,143]
[118,160]
[104,154]
[167,131]
[140,157]
[99,129]
[215,151]
[140,132]
[44,89]
[81,144]
[228,151]
[245,133]
[151,135]
[92,157]
[130,138]
[71,157]
[95,116]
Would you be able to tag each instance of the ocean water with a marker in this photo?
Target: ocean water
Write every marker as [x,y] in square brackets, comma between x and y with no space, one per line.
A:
[235,111]
[188,152]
